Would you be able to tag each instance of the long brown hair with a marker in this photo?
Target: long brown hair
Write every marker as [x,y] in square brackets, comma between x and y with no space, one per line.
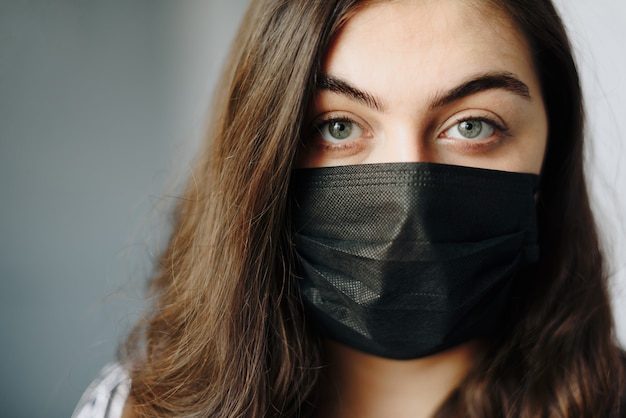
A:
[226,336]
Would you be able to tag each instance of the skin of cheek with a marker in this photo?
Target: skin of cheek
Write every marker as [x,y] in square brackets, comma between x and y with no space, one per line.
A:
[531,134]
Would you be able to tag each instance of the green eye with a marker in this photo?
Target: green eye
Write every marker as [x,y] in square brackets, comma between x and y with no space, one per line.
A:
[471,129]
[339,130]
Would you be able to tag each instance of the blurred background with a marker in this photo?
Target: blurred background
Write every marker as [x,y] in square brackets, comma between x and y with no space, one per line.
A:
[102,104]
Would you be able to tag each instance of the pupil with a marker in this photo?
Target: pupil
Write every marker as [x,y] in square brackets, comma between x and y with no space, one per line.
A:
[471,129]
[340,130]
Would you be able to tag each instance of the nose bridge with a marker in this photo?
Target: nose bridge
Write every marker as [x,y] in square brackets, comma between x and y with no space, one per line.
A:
[405,142]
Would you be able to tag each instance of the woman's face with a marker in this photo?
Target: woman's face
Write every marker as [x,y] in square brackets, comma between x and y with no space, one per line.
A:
[443,81]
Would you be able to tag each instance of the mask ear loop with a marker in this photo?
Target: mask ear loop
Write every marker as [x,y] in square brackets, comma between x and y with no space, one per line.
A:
[537,191]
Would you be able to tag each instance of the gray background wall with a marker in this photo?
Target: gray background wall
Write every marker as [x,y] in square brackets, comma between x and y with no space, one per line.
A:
[102,103]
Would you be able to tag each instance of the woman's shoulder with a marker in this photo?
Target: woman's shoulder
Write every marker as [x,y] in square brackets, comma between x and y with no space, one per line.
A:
[105,397]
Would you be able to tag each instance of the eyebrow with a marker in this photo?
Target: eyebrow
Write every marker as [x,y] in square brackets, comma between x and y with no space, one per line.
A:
[337,85]
[482,82]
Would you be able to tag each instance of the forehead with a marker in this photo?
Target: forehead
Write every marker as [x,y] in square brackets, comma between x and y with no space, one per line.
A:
[427,43]
[435,17]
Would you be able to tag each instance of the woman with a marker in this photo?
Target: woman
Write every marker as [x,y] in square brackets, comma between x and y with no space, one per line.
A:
[390,219]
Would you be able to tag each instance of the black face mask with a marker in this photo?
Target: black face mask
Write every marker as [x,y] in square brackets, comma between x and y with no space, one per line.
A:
[404,260]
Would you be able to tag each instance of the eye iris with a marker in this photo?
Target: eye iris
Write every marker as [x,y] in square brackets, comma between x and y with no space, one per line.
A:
[470,128]
[340,129]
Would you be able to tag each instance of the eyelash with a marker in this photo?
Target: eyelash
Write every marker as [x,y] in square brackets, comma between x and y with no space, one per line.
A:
[503,130]
[319,125]
[332,119]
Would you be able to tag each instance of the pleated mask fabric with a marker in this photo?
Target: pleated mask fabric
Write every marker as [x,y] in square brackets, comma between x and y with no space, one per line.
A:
[404,260]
